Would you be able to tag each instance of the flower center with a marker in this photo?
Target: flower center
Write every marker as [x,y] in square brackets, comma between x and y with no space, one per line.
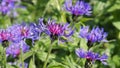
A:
[24,32]
[55,29]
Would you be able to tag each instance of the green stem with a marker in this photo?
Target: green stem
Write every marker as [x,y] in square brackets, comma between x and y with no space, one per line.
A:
[48,55]
[77,60]
[22,61]
[4,57]
[33,57]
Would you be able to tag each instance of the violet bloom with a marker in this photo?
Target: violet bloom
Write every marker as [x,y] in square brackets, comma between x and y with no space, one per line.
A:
[4,35]
[25,31]
[14,49]
[55,30]
[91,56]
[7,36]
[95,35]
[80,7]
[8,7]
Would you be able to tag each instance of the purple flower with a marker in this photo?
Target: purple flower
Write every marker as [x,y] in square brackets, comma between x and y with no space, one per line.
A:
[55,30]
[7,35]
[25,31]
[35,32]
[4,35]
[8,7]
[14,49]
[95,35]
[80,7]
[89,55]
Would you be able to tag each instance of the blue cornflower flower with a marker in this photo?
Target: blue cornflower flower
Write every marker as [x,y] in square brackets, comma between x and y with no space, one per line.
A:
[8,7]
[55,30]
[14,49]
[4,35]
[25,31]
[80,7]
[8,35]
[91,56]
[95,35]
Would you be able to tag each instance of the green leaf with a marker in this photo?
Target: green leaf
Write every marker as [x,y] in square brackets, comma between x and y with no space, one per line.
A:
[83,43]
[114,7]
[70,62]
[42,56]
[116,60]
[55,64]
[28,54]
[32,64]
[117,24]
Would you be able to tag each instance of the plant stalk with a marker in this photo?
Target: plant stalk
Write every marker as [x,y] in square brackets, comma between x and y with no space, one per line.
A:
[45,64]
[21,54]
[4,57]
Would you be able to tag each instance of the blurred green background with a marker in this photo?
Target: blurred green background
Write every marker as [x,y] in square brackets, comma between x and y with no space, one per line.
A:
[105,13]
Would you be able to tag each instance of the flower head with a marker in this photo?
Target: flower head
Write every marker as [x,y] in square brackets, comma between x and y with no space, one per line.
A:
[55,30]
[80,7]
[4,35]
[8,35]
[91,56]
[14,49]
[25,31]
[8,7]
[95,35]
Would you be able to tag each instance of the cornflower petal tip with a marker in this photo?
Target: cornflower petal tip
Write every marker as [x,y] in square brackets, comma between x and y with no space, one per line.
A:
[80,53]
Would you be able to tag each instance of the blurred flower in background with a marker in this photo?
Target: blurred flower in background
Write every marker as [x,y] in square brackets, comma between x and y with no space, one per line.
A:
[79,8]
[8,7]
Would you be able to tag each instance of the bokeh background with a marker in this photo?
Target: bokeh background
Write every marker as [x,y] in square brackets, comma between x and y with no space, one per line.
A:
[105,13]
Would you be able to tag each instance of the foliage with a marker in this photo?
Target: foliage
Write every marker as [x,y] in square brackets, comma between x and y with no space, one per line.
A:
[105,13]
